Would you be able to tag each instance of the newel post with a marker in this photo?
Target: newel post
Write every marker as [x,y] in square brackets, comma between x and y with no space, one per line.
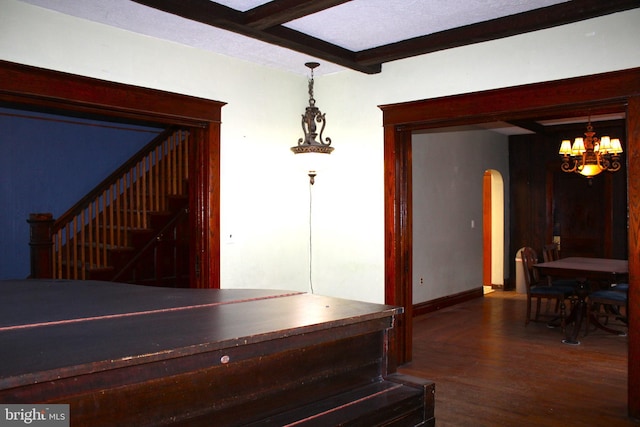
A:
[41,245]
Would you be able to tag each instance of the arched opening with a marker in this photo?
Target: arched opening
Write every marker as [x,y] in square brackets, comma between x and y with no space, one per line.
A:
[492,230]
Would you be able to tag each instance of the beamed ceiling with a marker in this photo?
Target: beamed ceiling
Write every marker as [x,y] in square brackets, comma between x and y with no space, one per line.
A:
[359,34]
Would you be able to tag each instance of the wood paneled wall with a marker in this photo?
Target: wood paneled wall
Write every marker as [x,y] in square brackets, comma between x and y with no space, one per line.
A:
[540,207]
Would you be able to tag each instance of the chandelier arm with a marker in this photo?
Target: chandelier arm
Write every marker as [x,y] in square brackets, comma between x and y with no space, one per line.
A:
[615,164]
[321,119]
[566,165]
[303,121]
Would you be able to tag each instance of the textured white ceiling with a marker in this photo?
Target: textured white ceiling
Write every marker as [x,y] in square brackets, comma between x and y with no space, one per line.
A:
[363,24]
[355,25]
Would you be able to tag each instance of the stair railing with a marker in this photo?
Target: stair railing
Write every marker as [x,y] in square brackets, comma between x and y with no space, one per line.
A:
[82,236]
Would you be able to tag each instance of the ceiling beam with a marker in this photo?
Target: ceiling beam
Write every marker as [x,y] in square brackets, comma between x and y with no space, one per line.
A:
[278,12]
[216,15]
[531,125]
[537,19]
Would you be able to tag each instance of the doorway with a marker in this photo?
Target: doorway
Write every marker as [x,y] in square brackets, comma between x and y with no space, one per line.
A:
[608,92]
[493,250]
[67,94]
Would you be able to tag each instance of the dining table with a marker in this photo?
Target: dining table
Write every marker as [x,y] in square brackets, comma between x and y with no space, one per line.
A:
[598,272]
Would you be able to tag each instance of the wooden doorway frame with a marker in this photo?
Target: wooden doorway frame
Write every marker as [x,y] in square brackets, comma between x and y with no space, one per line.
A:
[44,90]
[615,91]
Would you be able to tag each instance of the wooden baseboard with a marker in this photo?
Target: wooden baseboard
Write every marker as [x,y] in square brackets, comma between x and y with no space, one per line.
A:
[448,301]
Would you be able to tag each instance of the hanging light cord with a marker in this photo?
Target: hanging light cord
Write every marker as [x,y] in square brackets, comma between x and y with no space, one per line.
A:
[310,238]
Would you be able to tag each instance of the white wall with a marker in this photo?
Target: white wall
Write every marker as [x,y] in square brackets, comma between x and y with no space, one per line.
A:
[448,170]
[265,200]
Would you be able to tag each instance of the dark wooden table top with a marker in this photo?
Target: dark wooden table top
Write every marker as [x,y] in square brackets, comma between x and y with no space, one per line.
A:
[597,268]
[46,325]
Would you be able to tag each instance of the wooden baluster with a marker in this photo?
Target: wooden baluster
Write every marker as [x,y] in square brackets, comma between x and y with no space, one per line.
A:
[126,224]
[74,250]
[67,253]
[145,193]
[112,240]
[59,251]
[83,247]
[137,205]
[90,225]
[118,213]
[131,204]
[104,228]
[97,236]
[150,182]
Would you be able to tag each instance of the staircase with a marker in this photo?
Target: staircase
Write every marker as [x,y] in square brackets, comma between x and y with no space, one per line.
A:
[133,227]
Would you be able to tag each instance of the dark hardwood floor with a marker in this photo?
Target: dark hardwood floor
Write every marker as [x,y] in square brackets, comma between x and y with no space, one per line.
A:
[492,370]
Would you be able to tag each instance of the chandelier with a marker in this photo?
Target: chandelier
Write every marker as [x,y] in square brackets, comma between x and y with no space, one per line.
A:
[311,118]
[591,155]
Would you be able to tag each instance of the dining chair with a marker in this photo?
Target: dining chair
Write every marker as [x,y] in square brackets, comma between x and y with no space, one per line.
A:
[551,252]
[540,289]
[610,304]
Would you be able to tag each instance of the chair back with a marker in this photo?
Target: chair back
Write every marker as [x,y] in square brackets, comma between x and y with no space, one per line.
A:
[550,252]
[529,258]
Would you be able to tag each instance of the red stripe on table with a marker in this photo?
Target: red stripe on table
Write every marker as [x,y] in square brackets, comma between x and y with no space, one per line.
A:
[138,313]
[346,405]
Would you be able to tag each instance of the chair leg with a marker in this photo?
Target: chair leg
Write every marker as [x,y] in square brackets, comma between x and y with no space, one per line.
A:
[526,322]
[538,303]
[601,310]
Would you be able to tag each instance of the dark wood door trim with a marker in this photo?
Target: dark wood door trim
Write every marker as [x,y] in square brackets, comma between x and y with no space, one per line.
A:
[577,96]
[633,195]
[398,235]
[23,86]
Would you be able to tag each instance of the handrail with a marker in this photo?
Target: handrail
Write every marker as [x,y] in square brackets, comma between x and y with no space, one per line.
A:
[127,165]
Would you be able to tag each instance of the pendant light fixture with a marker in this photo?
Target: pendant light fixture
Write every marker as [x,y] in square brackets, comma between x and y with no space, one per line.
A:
[591,155]
[313,145]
